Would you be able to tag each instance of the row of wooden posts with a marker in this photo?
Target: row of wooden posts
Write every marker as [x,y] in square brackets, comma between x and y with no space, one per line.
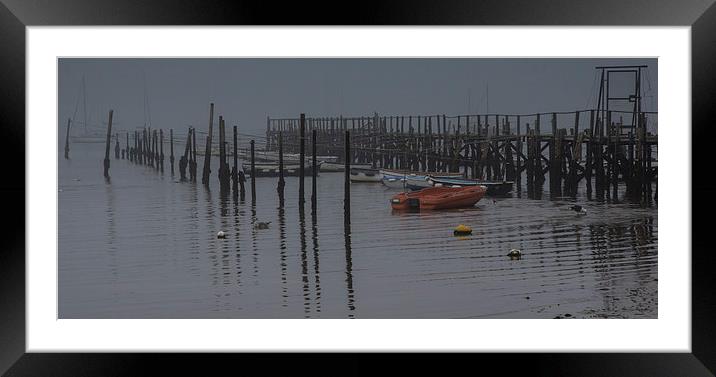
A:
[497,147]
[601,152]
[148,149]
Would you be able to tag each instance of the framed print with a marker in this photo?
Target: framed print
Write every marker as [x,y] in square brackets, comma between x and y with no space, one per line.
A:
[481,188]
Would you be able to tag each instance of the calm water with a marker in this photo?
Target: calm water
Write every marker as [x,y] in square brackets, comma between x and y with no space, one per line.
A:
[145,246]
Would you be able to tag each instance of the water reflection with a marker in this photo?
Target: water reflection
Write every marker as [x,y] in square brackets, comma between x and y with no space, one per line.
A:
[282,252]
[316,262]
[349,263]
[144,247]
[304,259]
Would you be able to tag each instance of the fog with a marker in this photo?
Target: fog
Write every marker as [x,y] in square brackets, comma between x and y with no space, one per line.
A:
[175,93]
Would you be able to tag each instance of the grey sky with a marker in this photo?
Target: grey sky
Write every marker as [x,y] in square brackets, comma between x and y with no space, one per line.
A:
[246,91]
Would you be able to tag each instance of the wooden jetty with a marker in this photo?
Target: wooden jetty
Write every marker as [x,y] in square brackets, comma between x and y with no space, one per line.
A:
[580,146]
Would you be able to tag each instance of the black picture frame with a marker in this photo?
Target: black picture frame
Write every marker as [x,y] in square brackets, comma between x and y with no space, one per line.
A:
[15,15]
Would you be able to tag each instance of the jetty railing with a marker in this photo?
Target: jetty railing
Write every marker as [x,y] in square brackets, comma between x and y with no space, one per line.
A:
[563,148]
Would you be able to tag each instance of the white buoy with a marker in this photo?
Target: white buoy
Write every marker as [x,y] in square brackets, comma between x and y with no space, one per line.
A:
[221,234]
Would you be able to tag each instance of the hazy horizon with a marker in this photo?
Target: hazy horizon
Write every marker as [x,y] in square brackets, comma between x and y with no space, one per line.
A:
[247,90]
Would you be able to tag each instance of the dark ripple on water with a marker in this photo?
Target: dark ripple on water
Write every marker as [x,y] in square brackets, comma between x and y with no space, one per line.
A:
[145,246]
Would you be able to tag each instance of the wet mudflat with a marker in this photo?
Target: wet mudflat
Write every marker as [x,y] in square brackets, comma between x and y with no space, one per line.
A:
[145,246]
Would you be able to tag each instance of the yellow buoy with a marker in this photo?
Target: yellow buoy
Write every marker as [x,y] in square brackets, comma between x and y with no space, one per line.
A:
[462,230]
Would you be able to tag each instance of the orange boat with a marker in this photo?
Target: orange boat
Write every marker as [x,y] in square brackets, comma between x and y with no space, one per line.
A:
[439,198]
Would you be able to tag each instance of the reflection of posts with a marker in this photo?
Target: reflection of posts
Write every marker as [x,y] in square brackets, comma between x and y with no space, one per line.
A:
[349,262]
[316,268]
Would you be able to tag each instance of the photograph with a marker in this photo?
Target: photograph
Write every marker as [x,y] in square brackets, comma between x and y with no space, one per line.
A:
[357,187]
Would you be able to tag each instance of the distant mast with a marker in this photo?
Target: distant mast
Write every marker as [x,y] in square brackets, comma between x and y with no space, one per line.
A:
[84,102]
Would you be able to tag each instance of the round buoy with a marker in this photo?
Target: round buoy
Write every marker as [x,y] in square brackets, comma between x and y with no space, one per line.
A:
[462,230]
[514,254]
[221,234]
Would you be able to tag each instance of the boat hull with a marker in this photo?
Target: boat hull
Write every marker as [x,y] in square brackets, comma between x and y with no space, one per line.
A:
[494,188]
[330,167]
[437,198]
[365,175]
[273,170]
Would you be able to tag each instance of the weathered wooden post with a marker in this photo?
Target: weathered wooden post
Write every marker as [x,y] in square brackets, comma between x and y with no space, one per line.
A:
[161,150]
[171,149]
[183,160]
[67,140]
[146,146]
[150,135]
[576,156]
[223,166]
[106,152]
[253,173]
[347,175]
[192,155]
[281,181]
[156,150]
[207,154]
[116,147]
[235,171]
[314,171]
[302,159]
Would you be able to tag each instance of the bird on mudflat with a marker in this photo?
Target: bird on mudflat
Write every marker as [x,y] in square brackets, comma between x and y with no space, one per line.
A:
[577,208]
[262,225]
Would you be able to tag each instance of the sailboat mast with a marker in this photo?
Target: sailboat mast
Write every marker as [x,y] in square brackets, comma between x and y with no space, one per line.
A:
[487,97]
[84,102]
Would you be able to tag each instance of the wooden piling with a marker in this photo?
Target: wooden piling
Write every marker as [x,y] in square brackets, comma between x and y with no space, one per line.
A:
[116,147]
[235,171]
[184,159]
[347,175]
[207,154]
[314,171]
[67,140]
[161,150]
[281,181]
[302,159]
[171,149]
[106,152]
[192,154]
[253,173]
[224,179]
[156,150]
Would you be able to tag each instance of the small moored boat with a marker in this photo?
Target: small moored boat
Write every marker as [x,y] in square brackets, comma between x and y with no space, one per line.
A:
[494,188]
[339,166]
[434,198]
[410,179]
[272,170]
[365,175]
